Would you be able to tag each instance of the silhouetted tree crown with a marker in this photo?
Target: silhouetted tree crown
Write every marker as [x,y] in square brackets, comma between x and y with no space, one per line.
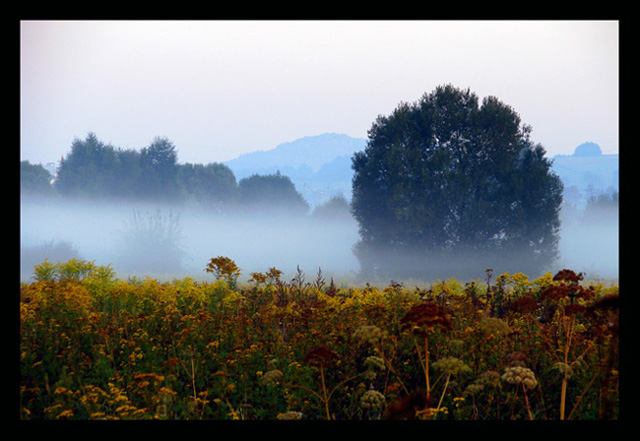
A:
[275,192]
[96,170]
[88,170]
[212,185]
[35,179]
[447,177]
[159,170]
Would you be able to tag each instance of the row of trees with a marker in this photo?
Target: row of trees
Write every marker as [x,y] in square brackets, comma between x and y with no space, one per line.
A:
[93,169]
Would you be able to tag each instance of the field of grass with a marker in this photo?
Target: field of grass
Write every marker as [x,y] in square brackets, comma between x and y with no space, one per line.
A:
[93,346]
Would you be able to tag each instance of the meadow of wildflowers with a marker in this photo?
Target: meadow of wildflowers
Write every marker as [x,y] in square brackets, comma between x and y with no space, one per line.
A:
[96,347]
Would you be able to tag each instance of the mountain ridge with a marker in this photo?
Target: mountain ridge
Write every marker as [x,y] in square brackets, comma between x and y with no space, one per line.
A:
[313,151]
[320,167]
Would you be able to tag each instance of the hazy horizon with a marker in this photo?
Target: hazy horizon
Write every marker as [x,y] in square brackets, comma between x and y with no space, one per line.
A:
[256,241]
[218,89]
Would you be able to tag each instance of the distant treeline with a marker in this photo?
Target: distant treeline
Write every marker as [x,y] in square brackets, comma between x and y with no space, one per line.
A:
[93,169]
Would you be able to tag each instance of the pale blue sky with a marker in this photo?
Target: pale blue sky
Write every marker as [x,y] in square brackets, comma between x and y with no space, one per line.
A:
[218,89]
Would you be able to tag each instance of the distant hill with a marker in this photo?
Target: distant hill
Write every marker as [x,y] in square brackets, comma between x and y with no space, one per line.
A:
[311,151]
[320,167]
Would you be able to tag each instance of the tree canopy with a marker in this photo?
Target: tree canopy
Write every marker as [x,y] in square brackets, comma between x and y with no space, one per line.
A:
[448,179]
[273,192]
[35,179]
[93,169]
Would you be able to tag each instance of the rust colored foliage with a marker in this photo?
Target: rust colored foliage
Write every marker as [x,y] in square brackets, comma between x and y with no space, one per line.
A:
[524,304]
[407,408]
[604,314]
[424,317]
[566,275]
[321,356]
[571,290]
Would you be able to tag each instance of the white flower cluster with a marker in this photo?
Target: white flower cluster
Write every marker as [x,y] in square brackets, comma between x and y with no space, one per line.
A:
[372,399]
[489,379]
[373,364]
[451,365]
[519,374]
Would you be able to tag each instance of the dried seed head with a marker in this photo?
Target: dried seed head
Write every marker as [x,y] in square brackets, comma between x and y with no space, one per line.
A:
[451,365]
[519,374]
[271,377]
[373,400]
[321,356]
[423,317]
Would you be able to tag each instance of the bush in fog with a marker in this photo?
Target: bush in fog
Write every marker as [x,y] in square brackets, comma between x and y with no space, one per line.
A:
[151,242]
[52,251]
[335,208]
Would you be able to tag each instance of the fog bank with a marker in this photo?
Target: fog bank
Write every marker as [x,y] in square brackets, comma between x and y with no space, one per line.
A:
[256,241]
[137,240]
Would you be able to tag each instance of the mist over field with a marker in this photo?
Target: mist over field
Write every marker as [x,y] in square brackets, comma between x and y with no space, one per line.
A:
[182,239]
[256,241]
[589,243]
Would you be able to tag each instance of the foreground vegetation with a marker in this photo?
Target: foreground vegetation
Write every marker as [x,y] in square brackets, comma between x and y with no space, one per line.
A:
[96,347]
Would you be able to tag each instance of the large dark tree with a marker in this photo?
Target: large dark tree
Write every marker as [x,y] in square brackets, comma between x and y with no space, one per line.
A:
[449,186]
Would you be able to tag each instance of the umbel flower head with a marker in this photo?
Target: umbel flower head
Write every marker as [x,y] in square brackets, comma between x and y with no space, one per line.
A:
[451,365]
[424,317]
[519,374]
[369,334]
[372,399]
[373,362]
[271,377]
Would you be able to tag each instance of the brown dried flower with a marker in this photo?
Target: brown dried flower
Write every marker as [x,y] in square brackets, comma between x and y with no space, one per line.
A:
[566,275]
[321,356]
[524,304]
[423,317]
